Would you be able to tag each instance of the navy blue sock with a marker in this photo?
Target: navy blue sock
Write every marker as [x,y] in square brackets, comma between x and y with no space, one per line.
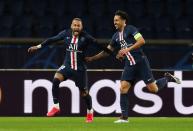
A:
[88,101]
[55,90]
[124,103]
[162,82]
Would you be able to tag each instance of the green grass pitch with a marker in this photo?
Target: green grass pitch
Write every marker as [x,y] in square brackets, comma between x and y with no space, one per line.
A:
[99,124]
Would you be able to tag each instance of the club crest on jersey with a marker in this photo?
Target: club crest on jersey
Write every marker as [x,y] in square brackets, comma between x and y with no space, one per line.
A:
[67,37]
[82,39]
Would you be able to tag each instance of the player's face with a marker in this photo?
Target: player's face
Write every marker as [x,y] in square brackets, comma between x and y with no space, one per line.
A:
[76,27]
[118,22]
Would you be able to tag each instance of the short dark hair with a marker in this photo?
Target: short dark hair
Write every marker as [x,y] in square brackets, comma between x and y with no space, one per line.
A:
[123,15]
[78,19]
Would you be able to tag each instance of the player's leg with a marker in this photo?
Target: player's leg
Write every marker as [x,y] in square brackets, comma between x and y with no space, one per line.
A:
[126,82]
[124,102]
[81,82]
[152,87]
[147,76]
[55,110]
[58,77]
[162,82]
[88,100]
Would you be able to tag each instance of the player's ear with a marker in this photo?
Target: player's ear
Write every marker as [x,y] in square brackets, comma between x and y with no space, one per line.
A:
[82,26]
[71,24]
[124,22]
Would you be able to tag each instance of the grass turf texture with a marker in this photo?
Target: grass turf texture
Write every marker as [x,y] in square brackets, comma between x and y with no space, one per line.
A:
[99,124]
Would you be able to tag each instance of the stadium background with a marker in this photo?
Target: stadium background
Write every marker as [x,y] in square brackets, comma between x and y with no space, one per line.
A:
[165,24]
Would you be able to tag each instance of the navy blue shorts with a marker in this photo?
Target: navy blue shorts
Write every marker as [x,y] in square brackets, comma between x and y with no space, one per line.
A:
[140,71]
[79,77]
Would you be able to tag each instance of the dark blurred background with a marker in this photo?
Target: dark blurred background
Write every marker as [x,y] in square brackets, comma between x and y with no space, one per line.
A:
[165,24]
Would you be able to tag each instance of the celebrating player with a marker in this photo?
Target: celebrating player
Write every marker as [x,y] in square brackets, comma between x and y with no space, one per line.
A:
[74,65]
[128,40]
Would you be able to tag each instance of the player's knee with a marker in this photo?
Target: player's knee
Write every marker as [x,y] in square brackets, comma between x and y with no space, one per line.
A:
[124,88]
[153,89]
[59,76]
[55,82]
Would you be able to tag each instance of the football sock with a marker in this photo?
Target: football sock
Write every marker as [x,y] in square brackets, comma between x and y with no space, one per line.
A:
[161,83]
[55,90]
[88,101]
[124,103]
[90,111]
[57,106]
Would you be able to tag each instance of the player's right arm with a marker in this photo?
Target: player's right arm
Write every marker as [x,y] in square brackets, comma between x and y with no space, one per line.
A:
[47,42]
[100,55]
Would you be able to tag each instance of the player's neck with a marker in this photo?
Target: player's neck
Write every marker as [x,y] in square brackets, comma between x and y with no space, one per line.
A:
[75,34]
[122,28]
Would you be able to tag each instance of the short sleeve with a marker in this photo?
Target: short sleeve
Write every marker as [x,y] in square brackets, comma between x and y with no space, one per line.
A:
[134,32]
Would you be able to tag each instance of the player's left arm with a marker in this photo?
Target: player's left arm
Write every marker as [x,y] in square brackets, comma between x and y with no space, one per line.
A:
[101,46]
[139,42]
[100,55]
[47,42]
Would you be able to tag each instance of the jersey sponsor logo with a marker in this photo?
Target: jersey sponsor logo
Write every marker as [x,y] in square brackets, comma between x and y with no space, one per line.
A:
[125,45]
[73,47]
[73,54]
[79,51]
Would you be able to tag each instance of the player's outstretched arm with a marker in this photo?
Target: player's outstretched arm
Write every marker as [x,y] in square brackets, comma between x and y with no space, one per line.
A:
[105,49]
[100,55]
[47,42]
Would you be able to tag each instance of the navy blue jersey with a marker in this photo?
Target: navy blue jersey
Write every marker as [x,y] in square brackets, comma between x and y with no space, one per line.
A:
[125,39]
[76,46]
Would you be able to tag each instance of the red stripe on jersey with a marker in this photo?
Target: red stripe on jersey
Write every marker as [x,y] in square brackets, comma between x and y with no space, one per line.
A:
[131,60]
[73,57]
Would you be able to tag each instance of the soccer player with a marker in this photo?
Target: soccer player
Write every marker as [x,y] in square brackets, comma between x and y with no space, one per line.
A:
[74,64]
[128,40]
